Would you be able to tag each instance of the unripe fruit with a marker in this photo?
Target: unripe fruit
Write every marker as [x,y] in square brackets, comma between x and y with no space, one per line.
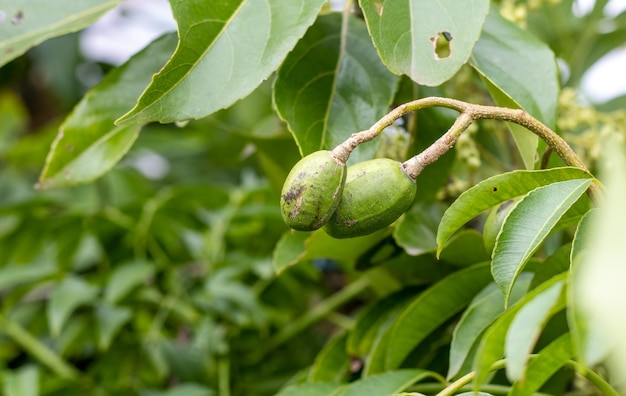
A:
[376,193]
[312,190]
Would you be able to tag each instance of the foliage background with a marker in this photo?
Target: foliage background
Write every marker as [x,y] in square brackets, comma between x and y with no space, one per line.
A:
[171,271]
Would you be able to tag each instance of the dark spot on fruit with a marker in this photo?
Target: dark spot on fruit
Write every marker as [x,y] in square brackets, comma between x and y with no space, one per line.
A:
[293,193]
[495,189]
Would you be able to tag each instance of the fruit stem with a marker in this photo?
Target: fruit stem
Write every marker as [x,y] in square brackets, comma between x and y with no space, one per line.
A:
[468,113]
[432,153]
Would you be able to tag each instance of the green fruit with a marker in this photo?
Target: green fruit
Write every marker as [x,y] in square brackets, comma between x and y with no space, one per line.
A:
[376,193]
[312,190]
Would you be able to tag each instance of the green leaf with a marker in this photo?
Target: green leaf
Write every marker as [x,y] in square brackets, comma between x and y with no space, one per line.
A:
[65,298]
[32,22]
[89,143]
[226,50]
[527,225]
[483,310]
[491,347]
[41,266]
[125,278]
[295,247]
[333,84]
[590,345]
[556,263]
[311,389]
[496,190]
[21,382]
[332,362]
[599,282]
[289,249]
[525,329]
[465,248]
[371,320]
[416,230]
[407,34]
[110,319]
[543,366]
[519,65]
[431,309]
[386,383]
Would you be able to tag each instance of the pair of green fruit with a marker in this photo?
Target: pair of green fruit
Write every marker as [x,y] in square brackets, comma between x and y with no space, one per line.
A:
[364,198]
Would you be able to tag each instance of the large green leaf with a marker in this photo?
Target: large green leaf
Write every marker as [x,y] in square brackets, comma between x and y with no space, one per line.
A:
[496,190]
[430,310]
[408,33]
[32,22]
[543,366]
[525,329]
[226,50]
[89,143]
[590,346]
[332,85]
[386,383]
[65,298]
[527,225]
[521,72]
[484,309]
[491,347]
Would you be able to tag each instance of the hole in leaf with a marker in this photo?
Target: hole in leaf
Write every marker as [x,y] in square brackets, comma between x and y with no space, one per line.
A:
[441,45]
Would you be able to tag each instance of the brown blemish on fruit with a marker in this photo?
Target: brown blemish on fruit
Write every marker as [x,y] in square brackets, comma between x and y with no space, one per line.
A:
[294,193]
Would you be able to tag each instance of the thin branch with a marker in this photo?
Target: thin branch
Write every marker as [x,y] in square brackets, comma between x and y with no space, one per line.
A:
[468,113]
